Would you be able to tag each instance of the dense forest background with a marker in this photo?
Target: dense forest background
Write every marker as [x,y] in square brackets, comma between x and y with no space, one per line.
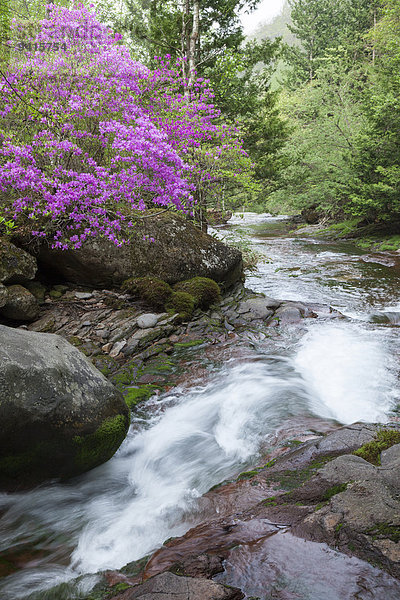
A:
[315,95]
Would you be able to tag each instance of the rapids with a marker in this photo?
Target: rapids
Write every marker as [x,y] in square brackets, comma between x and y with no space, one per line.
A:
[190,439]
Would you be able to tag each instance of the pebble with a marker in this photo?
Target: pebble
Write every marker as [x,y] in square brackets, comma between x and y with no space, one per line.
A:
[83,295]
[147,320]
[117,348]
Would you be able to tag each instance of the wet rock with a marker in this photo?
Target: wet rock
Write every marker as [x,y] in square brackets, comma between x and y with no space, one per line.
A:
[180,251]
[168,586]
[256,308]
[16,265]
[290,313]
[59,415]
[364,513]
[147,320]
[20,305]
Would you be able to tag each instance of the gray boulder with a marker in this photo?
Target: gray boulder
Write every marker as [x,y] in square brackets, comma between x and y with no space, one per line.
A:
[179,251]
[168,586]
[20,304]
[16,265]
[59,415]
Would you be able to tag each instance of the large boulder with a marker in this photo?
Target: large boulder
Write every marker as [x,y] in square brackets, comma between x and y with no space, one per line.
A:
[179,251]
[59,415]
[16,265]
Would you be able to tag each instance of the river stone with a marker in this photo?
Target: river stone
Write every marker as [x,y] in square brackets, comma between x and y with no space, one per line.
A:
[21,305]
[168,586]
[59,415]
[179,251]
[16,265]
[256,308]
[292,312]
[147,320]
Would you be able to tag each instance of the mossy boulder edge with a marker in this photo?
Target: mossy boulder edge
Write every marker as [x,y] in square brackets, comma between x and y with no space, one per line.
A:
[60,416]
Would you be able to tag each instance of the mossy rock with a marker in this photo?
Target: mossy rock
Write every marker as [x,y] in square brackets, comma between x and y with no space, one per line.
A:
[181,303]
[59,415]
[155,292]
[384,439]
[205,291]
[98,447]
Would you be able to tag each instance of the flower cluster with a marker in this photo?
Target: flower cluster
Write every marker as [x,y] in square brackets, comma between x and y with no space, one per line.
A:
[90,136]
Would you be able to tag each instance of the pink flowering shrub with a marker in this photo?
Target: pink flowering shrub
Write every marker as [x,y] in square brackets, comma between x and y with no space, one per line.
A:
[89,136]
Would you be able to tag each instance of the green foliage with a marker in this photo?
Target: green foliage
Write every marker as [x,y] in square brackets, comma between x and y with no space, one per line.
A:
[181,303]
[384,439]
[151,290]
[204,291]
[325,118]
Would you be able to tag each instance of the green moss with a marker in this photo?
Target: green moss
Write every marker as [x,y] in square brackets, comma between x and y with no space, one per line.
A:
[247,474]
[385,530]
[270,501]
[339,527]
[135,395]
[204,291]
[75,341]
[188,344]
[55,294]
[384,439]
[336,489]
[270,463]
[96,448]
[155,292]
[289,480]
[121,587]
[15,464]
[181,303]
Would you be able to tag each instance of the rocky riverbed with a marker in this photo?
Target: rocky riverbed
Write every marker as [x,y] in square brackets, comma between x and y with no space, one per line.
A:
[237,478]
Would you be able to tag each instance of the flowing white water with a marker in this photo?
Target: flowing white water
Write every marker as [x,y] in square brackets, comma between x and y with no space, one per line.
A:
[195,439]
[350,373]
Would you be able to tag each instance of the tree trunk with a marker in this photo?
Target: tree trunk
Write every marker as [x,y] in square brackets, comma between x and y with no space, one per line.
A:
[193,41]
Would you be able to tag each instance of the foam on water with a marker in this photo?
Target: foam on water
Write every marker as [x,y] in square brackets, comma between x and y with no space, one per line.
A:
[349,373]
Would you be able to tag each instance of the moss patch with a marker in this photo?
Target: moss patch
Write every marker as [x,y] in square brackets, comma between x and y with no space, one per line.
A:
[385,530]
[204,291]
[135,395]
[155,292]
[289,480]
[98,447]
[188,344]
[333,491]
[247,475]
[181,303]
[384,439]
